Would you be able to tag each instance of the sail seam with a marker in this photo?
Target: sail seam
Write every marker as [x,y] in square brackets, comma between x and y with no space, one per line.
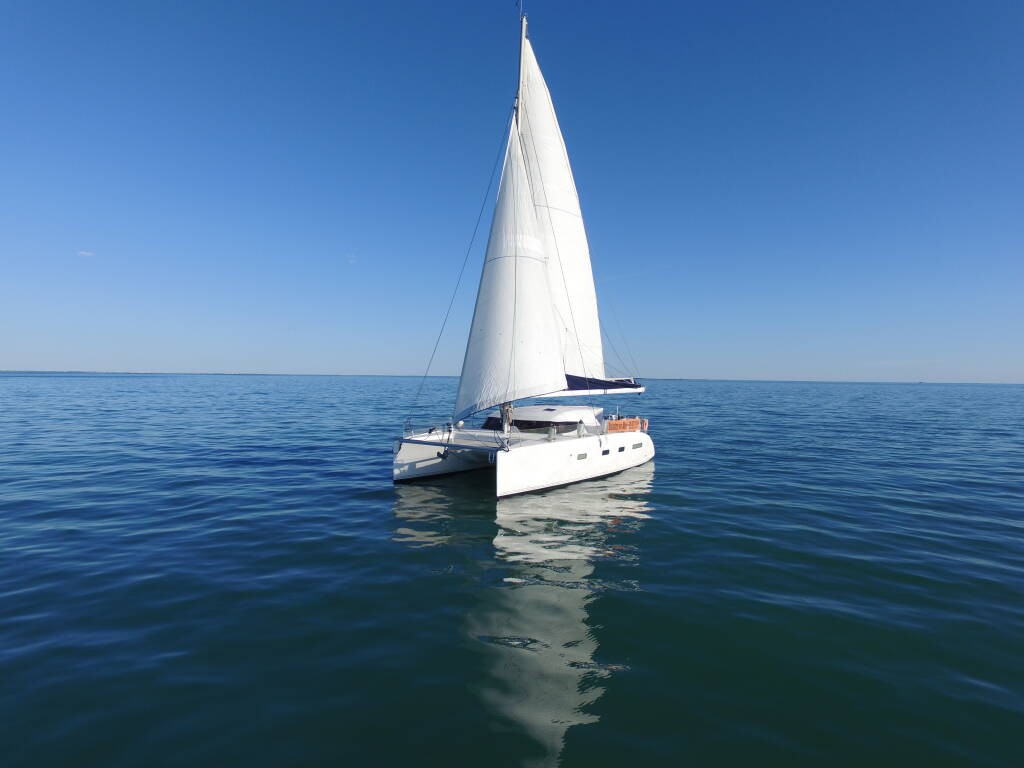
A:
[516,256]
[560,210]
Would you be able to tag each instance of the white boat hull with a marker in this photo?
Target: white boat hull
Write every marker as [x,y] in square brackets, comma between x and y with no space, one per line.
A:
[531,462]
[424,456]
[550,464]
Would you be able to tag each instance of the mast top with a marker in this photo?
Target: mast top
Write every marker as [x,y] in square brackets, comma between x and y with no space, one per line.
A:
[522,47]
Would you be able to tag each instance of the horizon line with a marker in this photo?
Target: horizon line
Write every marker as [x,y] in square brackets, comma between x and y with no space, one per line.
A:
[4,371]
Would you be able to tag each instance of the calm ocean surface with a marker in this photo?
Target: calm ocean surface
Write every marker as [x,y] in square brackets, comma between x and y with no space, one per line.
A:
[216,570]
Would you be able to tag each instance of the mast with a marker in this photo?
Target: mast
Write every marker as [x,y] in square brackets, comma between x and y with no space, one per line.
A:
[522,45]
[506,407]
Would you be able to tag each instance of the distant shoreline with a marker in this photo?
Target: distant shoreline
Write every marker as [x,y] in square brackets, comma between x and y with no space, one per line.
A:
[5,372]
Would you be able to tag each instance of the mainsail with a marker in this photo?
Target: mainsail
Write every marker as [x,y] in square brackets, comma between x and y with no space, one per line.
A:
[535,329]
[512,351]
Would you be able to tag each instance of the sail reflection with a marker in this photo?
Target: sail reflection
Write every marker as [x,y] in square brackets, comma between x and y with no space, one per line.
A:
[542,673]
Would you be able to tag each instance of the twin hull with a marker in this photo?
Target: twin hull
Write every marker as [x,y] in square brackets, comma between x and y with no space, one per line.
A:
[531,463]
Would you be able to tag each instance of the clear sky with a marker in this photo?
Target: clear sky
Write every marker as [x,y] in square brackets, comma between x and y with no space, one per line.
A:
[784,190]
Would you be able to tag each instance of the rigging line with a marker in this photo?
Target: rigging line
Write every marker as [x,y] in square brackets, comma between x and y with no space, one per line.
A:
[629,367]
[625,341]
[462,270]
[622,361]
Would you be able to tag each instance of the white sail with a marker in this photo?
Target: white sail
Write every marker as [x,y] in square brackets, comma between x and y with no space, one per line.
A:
[561,224]
[514,350]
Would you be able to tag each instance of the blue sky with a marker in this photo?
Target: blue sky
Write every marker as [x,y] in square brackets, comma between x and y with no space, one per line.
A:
[786,190]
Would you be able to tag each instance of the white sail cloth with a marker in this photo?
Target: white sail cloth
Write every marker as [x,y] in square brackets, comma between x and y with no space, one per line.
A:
[513,352]
[536,329]
[561,224]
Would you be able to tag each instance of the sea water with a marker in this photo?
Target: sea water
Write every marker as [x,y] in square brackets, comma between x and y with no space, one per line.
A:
[217,570]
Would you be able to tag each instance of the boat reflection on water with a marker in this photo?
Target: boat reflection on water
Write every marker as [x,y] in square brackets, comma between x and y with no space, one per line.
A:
[439,512]
[542,672]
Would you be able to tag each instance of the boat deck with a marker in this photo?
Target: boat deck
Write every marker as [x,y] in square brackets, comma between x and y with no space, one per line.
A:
[484,439]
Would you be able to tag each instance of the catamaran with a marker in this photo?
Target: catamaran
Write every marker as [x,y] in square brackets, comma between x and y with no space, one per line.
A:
[536,332]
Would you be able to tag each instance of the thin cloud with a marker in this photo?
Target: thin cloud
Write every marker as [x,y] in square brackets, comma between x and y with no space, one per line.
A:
[86,254]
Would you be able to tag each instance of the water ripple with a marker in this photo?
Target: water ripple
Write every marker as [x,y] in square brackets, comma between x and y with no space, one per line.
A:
[210,570]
